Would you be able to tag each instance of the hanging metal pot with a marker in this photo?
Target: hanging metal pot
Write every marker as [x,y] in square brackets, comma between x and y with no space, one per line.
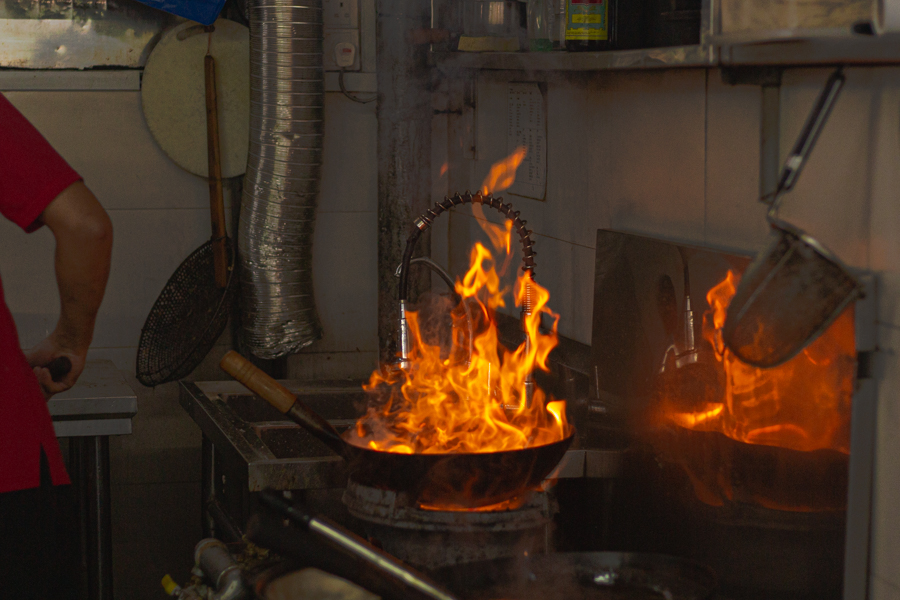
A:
[795,287]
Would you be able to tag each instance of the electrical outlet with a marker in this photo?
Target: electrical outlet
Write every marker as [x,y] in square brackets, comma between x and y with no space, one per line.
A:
[342,50]
[344,54]
[340,14]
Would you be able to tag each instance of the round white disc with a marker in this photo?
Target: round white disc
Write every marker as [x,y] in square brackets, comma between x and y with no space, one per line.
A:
[173,95]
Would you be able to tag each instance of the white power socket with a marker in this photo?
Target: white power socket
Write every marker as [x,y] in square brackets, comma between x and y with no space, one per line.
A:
[342,50]
[340,14]
[344,54]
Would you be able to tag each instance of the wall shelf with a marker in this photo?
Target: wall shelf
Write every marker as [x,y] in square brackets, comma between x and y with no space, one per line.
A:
[857,50]
[650,58]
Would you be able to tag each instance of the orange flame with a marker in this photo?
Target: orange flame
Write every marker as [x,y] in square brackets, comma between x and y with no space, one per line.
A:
[500,177]
[473,398]
[503,173]
[444,168]
[803,404]
[511,504]
[459,403]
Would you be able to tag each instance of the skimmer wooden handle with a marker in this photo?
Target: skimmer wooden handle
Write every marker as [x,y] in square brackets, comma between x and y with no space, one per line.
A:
[257,381]
[216,200]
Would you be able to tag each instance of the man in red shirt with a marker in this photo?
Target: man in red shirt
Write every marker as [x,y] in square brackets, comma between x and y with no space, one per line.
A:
[37,525]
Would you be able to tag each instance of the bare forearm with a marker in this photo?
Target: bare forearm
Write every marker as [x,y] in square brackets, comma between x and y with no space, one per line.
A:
[83,247]
[82,268]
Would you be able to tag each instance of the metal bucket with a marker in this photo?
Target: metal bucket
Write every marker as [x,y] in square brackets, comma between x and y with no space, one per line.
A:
[791,292]
[795,287]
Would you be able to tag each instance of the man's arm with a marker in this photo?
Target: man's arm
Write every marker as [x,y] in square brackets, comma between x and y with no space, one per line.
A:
[83,235]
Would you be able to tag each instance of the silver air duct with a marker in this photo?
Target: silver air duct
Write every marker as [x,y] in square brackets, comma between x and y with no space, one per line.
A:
[275,235]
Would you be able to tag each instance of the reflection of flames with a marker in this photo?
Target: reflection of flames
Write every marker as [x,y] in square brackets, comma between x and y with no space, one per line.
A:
[511,504]
[458,404]
[803,404]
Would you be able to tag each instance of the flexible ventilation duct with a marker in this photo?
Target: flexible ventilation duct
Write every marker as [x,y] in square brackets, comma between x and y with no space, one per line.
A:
[287,93]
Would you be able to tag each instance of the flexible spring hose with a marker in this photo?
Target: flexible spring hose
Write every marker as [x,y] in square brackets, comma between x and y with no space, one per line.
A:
[425,221]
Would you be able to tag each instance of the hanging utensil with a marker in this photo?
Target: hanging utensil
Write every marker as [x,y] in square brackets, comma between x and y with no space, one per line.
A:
[465,480]
[192,310]
[173,96]
[795,287]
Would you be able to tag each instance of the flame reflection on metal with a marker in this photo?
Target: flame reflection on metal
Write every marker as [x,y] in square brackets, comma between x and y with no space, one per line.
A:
[77,34]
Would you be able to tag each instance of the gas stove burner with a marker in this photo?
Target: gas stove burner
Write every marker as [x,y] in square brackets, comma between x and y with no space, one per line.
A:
[429,538]
[387,507]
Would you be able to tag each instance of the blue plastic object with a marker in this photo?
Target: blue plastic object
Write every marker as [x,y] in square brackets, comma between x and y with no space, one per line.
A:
[202,11]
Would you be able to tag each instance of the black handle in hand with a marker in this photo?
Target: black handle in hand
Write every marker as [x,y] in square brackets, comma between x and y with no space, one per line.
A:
[59,367]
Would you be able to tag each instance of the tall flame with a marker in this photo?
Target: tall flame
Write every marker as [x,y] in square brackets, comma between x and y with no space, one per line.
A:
[803,404]
[503,173]
[500,177]
[461,403]
[473,398]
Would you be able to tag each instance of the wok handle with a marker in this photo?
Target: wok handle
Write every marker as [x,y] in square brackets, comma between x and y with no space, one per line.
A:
[281,398]
[389,567]
[216,201]
[59,367]
[808,136]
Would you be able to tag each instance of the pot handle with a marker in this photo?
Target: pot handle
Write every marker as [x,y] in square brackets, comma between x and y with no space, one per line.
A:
[808,136]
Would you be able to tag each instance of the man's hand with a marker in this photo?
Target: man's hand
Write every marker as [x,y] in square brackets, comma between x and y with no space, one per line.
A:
[83,235]
[46,352]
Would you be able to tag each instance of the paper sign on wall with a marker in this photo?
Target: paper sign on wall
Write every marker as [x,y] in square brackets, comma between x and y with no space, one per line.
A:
[527,126]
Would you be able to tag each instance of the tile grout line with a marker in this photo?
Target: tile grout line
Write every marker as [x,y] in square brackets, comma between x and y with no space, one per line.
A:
[705,156]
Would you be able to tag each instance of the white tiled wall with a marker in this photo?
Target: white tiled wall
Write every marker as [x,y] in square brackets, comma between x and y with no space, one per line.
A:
[160,214]
[675,154]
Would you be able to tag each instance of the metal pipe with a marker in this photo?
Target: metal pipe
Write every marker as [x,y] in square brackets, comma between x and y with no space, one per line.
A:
[220,569]
[281,186]
[389,568]
[445,276]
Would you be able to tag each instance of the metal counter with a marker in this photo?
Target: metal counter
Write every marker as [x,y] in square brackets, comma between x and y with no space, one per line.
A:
[100,405]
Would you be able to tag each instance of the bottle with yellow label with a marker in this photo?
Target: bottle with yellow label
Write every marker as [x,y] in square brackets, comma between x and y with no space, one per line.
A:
[589,24]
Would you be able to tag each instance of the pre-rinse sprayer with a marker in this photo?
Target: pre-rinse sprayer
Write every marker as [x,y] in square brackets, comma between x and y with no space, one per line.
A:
[422,224]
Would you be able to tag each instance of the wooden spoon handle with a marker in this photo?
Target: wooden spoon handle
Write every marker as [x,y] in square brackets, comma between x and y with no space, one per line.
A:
[216,201]
[257,381]
[281,398]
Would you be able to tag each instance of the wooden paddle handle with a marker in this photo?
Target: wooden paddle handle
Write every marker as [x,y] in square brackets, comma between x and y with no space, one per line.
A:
[257,381]
[216,201]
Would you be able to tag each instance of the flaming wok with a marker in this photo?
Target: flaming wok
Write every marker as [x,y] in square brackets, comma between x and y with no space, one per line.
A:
[464,480]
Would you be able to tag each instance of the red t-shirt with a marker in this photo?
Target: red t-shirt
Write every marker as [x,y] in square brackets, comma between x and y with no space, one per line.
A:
[32,174]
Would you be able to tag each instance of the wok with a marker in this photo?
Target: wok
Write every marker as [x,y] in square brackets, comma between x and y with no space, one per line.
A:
[582,576]
[464,480]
